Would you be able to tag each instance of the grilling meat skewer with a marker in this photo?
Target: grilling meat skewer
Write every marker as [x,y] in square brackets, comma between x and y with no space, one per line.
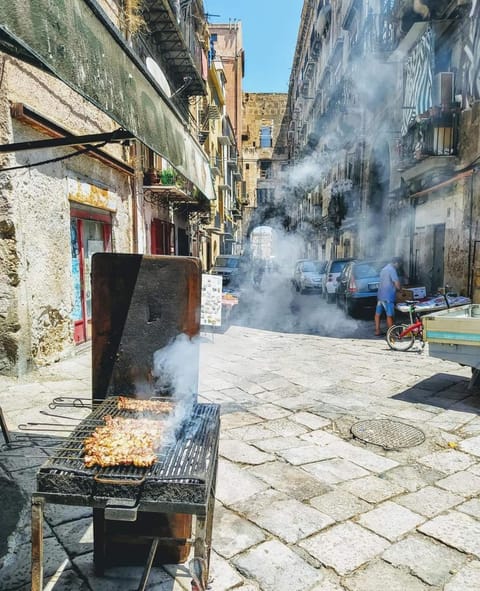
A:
[123,442]
[153,406]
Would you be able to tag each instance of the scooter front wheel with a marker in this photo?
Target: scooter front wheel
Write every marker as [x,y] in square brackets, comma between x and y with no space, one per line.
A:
[396,341]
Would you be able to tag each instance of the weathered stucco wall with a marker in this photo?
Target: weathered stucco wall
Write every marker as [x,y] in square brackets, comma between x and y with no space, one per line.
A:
[449,206]
[36,288]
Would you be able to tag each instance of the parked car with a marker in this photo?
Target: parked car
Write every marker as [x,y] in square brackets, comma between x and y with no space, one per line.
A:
[308,275]
[226,265]
[333,269]
[358,286]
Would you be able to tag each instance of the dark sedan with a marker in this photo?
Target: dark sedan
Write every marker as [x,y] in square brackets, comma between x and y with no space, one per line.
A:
[358,286]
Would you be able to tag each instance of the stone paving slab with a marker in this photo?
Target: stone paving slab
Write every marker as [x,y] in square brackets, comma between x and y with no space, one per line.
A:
[126,577]
[278,444]
[380,576]
[76,536]
[464,483]
[16,570]
[285,428]
[311,420]
[290,480]
[413,477]
[288,519]
[430,501]
[467,578]
[235,484]
[335,470]
[471,507]
[306,454]
[222,574]
[345,547]
[233,534]
[430,561]
[373,489]
[455,529]
[390,520]
[340,505]
[270,411]
[277,568]
[449,461]
[242,453]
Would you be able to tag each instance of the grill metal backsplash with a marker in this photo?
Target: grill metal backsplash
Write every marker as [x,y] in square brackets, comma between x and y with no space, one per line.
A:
[186,461]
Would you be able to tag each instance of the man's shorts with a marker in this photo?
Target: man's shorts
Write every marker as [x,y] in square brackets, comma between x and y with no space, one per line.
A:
[389,307]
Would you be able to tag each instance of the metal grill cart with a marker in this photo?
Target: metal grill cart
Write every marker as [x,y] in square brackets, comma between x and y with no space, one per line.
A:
[140,304]
[181,481]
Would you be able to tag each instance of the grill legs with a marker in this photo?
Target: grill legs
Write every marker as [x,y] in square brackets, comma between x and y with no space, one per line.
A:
[37,543]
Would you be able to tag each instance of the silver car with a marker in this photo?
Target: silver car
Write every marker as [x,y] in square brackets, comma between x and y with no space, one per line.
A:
[308,276]
[332,271]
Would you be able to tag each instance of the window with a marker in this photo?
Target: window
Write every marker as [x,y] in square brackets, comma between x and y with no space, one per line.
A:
[265,169]
[265,136]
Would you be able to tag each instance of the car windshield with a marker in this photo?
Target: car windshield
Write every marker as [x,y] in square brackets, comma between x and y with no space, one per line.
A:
[366,270]
[226,262]
[313,267]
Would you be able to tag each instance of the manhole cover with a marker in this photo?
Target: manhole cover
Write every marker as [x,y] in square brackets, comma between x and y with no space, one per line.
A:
[388,434]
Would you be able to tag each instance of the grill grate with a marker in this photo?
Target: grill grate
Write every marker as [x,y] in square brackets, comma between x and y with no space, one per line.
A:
[187,460]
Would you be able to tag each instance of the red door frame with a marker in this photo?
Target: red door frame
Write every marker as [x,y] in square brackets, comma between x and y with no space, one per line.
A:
[162,236]
[80,326]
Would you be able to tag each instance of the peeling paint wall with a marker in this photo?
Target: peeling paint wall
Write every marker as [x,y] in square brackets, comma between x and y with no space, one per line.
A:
[36,287]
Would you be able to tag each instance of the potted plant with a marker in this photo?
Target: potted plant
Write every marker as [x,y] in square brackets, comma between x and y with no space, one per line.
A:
[167,176]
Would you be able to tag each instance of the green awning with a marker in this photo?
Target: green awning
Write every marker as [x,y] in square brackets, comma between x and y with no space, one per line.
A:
[75,41]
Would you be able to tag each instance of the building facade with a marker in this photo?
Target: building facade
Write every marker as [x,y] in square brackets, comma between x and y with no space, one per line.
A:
[383,106]
[264,158]
[135,85]
[227,52]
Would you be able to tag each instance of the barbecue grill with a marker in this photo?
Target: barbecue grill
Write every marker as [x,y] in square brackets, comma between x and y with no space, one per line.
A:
[140,515]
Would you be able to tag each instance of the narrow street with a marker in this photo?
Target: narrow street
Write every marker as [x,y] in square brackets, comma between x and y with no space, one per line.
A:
[301,505]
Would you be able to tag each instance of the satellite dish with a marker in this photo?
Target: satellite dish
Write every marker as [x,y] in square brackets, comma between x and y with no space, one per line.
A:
[157,73]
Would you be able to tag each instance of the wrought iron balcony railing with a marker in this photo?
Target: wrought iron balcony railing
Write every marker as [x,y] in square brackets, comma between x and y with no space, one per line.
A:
[435,135]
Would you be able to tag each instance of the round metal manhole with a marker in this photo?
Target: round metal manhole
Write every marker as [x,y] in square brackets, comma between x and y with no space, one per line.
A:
[388,434]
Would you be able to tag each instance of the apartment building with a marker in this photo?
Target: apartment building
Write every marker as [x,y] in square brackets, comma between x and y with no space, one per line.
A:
[384,108]
[112,100]
[265,158]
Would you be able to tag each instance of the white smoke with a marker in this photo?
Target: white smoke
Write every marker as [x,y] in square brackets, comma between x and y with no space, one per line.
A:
[175,373]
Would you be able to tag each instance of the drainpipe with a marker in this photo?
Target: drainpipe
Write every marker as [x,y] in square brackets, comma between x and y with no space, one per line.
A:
[470,240]
[411,258]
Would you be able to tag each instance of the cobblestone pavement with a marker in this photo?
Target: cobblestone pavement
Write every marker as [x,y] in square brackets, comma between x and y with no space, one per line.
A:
[302,505]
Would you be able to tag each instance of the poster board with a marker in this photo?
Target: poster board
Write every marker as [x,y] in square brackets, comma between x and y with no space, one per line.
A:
[211,301]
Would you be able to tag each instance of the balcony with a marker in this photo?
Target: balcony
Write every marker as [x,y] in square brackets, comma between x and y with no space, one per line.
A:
[216,166]
[167,186]
[175,41]
[380,34]
[436,135]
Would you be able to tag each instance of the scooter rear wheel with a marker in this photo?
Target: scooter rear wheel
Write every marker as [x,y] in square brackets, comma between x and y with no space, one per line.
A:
[397,342]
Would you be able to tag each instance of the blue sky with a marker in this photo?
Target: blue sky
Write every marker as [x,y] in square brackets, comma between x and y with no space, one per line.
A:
[270,30]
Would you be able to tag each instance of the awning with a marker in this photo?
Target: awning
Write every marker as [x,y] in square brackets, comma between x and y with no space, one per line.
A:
[75,41]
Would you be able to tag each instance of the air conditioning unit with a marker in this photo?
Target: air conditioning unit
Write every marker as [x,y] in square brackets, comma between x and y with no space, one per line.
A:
[443,89]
